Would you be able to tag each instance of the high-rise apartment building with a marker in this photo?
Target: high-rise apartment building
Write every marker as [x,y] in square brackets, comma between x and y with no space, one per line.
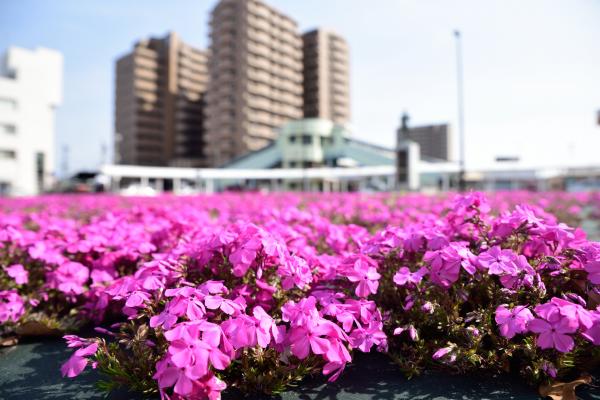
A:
[255,78]
[159,103]
[30,91]
[326,76]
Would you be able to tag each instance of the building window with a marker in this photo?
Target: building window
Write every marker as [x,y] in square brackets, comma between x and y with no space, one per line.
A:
[402,166]
[292,139]
[4,188]
[7,154]
[39,170]
[326,141]
[306,139]
[7,104]
[8,129]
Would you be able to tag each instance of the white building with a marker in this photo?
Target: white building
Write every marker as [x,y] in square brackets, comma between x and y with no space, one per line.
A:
[311,154]
[30,90]
[317,143]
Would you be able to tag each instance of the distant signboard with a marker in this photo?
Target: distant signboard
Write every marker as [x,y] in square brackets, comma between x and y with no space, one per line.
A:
[507,159]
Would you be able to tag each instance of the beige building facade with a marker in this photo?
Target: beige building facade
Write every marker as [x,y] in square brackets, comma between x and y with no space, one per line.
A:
[326,76]
[159,103]
[255,73]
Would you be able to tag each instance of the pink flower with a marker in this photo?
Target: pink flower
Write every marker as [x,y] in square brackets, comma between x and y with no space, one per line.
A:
[164,319]
[512,321]
[168,374]
[498,261]
[212,387]
[74,341]
[473,331]
[187,301]
[87,351]
[70,277]
[365,338]
[18,273]
[553,334]
[78,361]
[74,366]
[184,330]
[550,369]
[189,351]
[427,307]
[575,313]
[444,266]
[229,307]
[304,339]
[522,275]
[296,272]
[100,276]
[412,332]
[207,387]
[213,287]
[244,256]
[440,353]
[296,285]
[593,270]
[404,276]
[302,313]
[240,331]
[414,242]
[12,306]
[365,273]
[266,328]
[335,368]
[593,333]
[470,201]
[137,299]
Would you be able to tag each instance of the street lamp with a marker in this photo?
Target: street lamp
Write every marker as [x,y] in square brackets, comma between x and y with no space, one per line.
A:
[461,122]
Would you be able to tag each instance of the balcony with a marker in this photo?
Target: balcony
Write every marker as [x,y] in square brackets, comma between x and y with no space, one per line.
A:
[260,90]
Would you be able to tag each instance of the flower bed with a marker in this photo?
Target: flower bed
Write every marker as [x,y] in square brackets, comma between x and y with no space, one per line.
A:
[191,295]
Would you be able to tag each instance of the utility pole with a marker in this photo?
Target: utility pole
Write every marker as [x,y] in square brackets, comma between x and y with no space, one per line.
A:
[64,164]
[103,154]
[461,109]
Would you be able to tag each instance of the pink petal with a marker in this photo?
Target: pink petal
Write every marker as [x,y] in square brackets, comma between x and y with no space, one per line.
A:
[319,345]
[213,302]
[544,341]
[183,385]
[182,358]
[218,359]
[87,351]
[227,308]
[563,343]
[74,366]
[502,315]
[168,377]
[539,326]
[301,348]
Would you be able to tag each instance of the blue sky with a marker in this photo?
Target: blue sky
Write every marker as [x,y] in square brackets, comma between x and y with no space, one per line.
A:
[532,68]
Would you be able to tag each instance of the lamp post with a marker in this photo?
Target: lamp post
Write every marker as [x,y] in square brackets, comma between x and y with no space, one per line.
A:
[461,122]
